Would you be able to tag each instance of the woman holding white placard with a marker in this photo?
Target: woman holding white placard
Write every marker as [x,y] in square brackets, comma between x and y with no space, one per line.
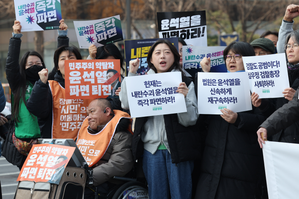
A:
[168,144]
[232,165]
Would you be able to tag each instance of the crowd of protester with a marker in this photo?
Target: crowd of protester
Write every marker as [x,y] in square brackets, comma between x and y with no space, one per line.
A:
[183,155]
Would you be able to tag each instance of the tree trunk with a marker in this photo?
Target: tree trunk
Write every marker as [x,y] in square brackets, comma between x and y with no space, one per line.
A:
[39,42]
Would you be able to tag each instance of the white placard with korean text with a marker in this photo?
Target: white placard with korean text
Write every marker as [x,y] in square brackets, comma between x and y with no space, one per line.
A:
[155,94]
[281,168]
[38,15]
[217,91]
[268,74]
[98,32]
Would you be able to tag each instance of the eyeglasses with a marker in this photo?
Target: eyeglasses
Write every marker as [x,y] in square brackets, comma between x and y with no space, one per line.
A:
[260,53]
[289,46]
[237,57]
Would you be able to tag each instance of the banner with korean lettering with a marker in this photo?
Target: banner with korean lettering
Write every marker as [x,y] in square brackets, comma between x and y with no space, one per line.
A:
[281,168]
[155,94]
[223,90]
[192,56]
[268,75]
[138,48]
[190,26]
[46,163]
[38,15]
[98,32]
[89,79]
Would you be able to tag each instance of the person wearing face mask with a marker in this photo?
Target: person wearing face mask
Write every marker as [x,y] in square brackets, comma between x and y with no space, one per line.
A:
[232,163]
[58,117]
[21,78]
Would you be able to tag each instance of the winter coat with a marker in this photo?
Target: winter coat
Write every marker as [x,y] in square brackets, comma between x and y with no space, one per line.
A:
[232,164]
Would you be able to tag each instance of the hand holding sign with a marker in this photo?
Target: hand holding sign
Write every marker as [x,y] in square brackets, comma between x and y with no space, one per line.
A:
[205,64]
[133,65]
[62,25]
[256,102]
[289,93]
[92,51]
[17,27]
[229,116]
[261,136]
[183,89]
[43,75]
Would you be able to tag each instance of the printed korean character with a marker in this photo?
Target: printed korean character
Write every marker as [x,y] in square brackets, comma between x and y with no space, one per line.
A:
[51,161]
[32,10]
[211,82]
[41,160]
[100,27]
[169,90]
[31,160]
[165,35]
[262,74]
[82,110]
[231,82]
[26,11]
[153,101]
[51,4]
[214,54]
[157,83]
[41,6]
[145,93]
[184,22]
[249,66]
[32,172]
[72,66]
[64,126]
[112,32]
[229,91]
[90,65]
[74,77]
[69,118]
[91,31]
[105,66]
[220,82]
[74,90]
[75,117]
[41,173]
[99,65]
[237,82]
[110,65]
[84,65]
[251,75]
[97,152]
[101,36]
[209,55]
[213,91]
[151,92]
[21,7]
[172,99]
[78,65]
[83,149]
[164,91]
[164,100]
[42,18]
[140,102]
[159,101]
[185,34]
[158,92]
[81,33]
[137,94]
[214,62]
[174,33]
[49,174]
[267,74]
[84,89]
[89,77]
[175,90]
[73,125]
[165,24]
[201,56]
[261,65]
[110,23]
[64,152]
[101,77]
[96,90]
[220,61]
[63,118]
[52,15]
[195,20]
[276,64]
[219,53]
[106,89]
[21,12]
[257,75]
[277,73]
[174,22]
[25,172]
[143,62]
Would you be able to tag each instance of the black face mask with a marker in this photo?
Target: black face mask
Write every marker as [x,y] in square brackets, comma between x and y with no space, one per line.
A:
[32,73]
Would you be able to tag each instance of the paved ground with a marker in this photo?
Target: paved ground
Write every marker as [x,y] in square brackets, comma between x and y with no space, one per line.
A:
[8,177]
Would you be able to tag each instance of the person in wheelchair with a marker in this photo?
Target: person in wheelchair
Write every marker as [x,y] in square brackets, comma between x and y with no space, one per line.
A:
[104,140]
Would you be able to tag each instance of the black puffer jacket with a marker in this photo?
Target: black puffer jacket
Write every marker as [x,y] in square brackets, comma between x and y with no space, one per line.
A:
[232,164]
[291,133]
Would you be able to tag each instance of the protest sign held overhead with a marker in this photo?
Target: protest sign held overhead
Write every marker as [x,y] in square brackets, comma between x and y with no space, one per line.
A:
[190,26]
[150,95]
[98,32]
[89,79]
[46,163]
[138,49]
[223,90]
[268,75]
[38,15]
[192,55]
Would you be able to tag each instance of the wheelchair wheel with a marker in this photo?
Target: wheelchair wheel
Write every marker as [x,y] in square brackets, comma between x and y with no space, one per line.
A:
[131,190]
